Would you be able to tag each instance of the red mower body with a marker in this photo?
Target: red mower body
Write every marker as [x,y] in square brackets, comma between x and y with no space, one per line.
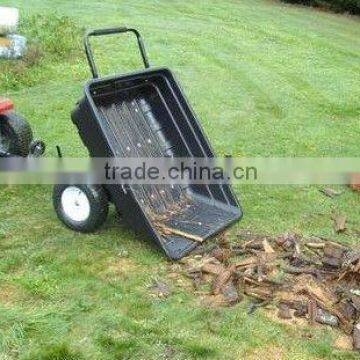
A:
[5,105]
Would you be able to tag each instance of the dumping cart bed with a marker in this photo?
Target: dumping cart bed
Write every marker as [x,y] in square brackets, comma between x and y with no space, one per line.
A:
[145,114]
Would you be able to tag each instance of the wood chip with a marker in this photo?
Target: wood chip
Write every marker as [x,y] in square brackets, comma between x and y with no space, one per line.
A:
[254,282]
[320,293]
[254,244]
[315,245]
[356,337]
[339,223]
[311,277]
[246,262]
[214,269]
[334,250]
[230,293]
[221,254]
[350,257]
[267,247]
[324,317]
[197,281]
[348,309]
[287,240]
[284,311]
[220,281]
[312,311]
[297,270]
[172,231]
[331,192]
[300,311]
[355,181]
[258,293]
[327,304]
[331,261]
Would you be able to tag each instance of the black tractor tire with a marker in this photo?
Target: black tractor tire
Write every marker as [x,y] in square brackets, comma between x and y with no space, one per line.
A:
[91,200]
[17,133]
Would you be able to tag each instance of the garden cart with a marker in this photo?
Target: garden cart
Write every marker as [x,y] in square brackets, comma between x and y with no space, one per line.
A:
[144,114]
[16,138]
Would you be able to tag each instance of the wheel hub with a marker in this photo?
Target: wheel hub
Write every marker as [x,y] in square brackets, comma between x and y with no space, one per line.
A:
[75,204]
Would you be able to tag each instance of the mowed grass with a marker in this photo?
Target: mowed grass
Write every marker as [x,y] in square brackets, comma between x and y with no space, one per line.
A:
[266,79]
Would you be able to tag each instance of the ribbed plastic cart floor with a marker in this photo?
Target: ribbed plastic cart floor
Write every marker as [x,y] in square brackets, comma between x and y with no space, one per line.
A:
[133,129]
[136,138]
[200,218]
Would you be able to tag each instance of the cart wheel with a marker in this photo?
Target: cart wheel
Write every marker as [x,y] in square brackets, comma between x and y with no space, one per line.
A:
[15,134]
[82,208]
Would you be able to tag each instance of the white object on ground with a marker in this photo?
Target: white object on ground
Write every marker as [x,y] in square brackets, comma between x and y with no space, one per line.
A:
[9,20]
[13,47]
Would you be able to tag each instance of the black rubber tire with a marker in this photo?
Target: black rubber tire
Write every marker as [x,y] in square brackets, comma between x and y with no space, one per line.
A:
[99,207]
[18,131]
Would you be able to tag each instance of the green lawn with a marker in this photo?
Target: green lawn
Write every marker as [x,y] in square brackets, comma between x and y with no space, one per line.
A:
[266,79]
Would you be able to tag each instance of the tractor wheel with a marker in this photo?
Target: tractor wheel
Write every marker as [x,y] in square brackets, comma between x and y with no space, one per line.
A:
[15,134]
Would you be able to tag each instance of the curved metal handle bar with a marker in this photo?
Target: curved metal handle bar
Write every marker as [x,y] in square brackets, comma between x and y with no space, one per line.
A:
[111,31]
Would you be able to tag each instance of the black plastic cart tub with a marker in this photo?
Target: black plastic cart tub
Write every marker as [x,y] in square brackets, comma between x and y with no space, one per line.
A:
[148,107]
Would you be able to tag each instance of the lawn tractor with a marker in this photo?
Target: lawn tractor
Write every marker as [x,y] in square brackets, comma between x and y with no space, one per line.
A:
[16,138]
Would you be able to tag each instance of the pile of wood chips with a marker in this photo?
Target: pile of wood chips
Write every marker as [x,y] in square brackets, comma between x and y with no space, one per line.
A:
[313,278]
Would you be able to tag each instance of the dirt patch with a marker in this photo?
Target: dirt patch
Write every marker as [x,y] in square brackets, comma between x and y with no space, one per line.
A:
[273,315]
[269,353]
[119,268]
[344,343]
[177,278]
[160,289]
[9,294]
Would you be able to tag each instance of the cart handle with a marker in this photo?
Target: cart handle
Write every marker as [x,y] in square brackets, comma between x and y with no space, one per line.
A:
[101,32]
